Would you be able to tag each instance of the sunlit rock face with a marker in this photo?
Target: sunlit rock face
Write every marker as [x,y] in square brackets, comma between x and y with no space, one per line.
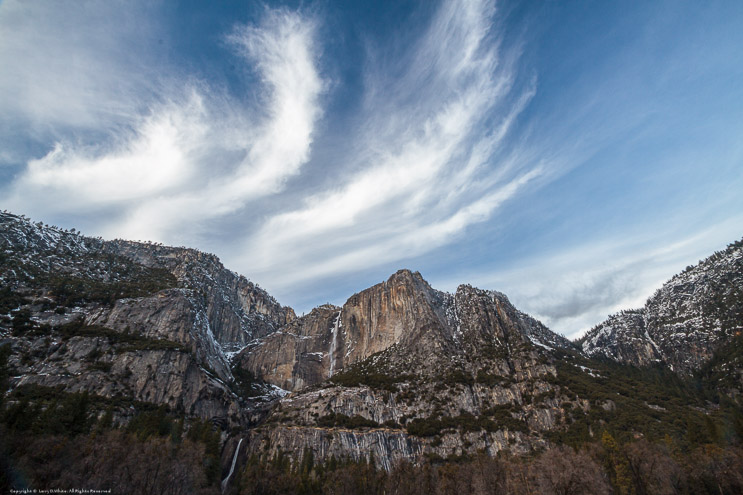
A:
[403,310]
[312,348]
[401,352]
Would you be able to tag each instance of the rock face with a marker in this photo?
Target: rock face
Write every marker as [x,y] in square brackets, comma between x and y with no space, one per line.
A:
[422,372]
[682,325]
[314,347]
[122,319]
[296,355]
[623,337]
[173,314]
[404,307]
[170,377]
[386,446]
[236,309]
[403,310]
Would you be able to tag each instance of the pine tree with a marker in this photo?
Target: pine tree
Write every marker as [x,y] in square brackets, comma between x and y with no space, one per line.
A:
[617,465]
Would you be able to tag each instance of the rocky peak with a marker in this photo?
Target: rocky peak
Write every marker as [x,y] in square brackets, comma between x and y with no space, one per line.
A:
[312,348]
[623,337]
[403,312]
[481,317]
[683,323]
[487,316]
[403,308]
[237,309]
[407,354]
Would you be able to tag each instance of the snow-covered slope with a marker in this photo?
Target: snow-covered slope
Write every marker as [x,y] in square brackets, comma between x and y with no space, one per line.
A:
[683,323]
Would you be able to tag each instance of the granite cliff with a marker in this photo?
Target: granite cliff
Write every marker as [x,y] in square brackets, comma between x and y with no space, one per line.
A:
[403,310]
[127,320]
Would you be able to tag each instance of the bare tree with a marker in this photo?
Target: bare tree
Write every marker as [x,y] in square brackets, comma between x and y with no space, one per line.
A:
[652,469]
[563,471]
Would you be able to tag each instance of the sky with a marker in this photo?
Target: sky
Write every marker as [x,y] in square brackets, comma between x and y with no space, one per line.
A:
[573,155]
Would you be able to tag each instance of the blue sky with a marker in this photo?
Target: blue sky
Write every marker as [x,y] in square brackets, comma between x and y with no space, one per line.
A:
[573,155]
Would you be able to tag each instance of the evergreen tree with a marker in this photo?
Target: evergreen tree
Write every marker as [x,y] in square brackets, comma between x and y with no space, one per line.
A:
[616,465]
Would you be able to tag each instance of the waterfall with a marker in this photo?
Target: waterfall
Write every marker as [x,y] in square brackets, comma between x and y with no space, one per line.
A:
[232,468]
[334,343]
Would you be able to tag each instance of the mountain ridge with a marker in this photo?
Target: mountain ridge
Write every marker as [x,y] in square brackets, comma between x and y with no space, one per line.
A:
[118,301]
[683,323]
[401,372]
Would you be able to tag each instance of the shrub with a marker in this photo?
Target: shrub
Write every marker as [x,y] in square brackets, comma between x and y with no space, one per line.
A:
[371,372]
[343,421]
[127,342]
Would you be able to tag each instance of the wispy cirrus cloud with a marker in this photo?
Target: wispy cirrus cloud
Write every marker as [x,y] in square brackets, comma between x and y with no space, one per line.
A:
[66,65]
[430,155]
[574,288]
[429,159]
[196,153]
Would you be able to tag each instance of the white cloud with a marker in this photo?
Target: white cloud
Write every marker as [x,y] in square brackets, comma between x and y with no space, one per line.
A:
[70,64]
[195,155]
[577,288]
[157,157]
[430,145]
[428,161]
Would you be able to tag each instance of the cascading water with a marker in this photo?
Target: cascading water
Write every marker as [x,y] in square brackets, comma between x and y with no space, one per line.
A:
[334,344]
[232,468]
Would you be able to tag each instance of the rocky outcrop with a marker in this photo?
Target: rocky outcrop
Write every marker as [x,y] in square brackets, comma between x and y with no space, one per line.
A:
[623,337]
[128,321]
[123,372]
[403,310]
[452,374]
[237,310]
[684,323]
[177,315]
[384,446]
[297,355]
[314,347]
